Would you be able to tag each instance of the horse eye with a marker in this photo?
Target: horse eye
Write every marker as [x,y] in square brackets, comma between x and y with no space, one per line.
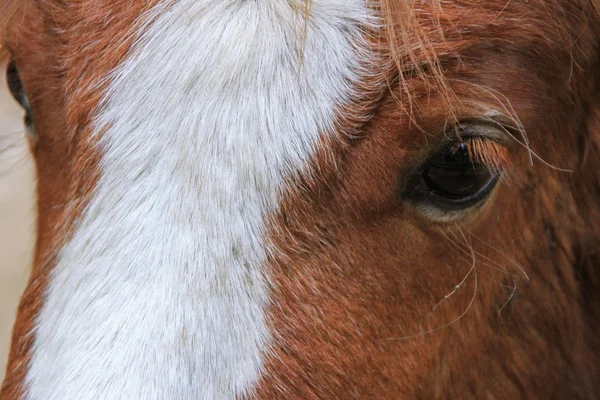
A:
[451,174]
[18,93]
[14,84]
[451,180]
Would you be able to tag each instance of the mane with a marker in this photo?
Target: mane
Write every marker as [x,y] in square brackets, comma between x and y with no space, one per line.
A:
[415,48]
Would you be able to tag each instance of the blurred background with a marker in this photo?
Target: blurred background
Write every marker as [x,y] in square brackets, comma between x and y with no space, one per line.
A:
[17,211]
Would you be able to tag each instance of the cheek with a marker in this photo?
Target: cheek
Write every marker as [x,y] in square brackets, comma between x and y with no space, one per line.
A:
[386,256]
[343,285]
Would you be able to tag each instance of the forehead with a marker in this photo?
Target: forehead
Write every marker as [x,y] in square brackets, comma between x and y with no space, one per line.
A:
[415,29]
[431,48]
[70,49]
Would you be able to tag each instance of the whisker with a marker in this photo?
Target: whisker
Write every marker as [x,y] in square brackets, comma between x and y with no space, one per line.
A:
[514,117]
[488,262]
[509,298]
[531,152]
[474,271]
[493,279]
[509,110]
[502,254]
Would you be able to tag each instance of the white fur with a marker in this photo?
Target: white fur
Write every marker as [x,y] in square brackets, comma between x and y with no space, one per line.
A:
[161,292]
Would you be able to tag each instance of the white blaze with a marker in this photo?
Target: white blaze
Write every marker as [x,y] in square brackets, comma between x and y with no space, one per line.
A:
[161,292]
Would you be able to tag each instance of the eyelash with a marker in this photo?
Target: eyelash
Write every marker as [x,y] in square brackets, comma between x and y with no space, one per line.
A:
[486,152]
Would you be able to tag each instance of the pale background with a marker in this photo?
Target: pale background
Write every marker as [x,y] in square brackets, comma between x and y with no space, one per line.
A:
[17,212]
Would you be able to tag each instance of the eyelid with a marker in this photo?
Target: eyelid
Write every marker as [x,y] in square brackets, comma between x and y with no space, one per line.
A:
[489,141]
[496,126]
[486,129]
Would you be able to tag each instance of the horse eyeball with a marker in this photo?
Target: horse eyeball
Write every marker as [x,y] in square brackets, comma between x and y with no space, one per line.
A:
[17,91]
[452,174]
[457,178]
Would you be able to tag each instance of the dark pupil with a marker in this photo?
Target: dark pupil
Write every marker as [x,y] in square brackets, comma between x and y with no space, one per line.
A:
[453,175]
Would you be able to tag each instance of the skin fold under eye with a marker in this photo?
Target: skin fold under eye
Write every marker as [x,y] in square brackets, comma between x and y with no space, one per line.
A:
[457,178]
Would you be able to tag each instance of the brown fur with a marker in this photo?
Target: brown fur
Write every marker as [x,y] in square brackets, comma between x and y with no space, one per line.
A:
[358,270]
[58,71]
